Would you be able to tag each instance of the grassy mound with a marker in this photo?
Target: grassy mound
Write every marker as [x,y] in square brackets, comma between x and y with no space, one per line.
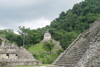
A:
[42,55]
[37,48]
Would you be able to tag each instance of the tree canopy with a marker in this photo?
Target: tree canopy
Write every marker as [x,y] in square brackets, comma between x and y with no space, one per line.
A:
[48,46]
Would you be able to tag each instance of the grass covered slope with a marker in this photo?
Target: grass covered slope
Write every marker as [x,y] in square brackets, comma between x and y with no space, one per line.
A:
[37,48]
[42,55]
[2,35]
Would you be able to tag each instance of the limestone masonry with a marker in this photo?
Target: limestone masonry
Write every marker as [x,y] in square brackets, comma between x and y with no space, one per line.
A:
[84,51]
[12,55]
[47,37]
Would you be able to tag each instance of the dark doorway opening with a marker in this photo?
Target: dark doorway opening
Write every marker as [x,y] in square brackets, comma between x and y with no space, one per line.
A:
[7,55]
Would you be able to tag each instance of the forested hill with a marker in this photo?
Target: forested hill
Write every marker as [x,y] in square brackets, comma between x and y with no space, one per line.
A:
[79,18]
[71,23]
[65,28]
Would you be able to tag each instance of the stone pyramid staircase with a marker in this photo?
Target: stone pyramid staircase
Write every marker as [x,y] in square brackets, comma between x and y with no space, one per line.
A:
[73,55]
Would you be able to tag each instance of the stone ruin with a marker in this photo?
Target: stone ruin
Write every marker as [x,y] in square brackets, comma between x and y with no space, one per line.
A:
[84,51]
[12,55]
[47,37]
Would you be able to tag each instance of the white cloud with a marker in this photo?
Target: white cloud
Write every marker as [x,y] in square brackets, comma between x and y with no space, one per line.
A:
[34,24]
[1,28]
[38,23]
[17,2]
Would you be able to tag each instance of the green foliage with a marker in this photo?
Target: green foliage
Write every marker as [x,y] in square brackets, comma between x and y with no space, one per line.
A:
[36,56]
[28,36]
[27,46]
[0,42]
[60,51]
[48,46]
[23,32]
[46,58]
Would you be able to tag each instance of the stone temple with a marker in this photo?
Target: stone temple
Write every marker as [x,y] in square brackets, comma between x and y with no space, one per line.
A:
[47,37]
[84,51]
[12,55]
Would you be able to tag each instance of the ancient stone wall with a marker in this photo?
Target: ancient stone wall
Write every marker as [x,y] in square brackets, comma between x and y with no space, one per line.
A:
[12,55]
[20,62]
[57,44]
[91,55]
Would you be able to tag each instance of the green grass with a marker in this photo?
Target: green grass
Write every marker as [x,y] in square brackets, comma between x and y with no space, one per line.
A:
[46,58]
[37,48]
[2,35]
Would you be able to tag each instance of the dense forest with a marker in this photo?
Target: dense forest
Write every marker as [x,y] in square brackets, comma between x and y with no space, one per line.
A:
[65,28]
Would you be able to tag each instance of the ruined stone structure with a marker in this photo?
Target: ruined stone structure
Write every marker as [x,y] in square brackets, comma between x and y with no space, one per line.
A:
[47,37]
[15,56]
[84,51]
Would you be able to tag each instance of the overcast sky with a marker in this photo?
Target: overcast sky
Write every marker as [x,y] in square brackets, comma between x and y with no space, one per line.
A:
[31,13]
